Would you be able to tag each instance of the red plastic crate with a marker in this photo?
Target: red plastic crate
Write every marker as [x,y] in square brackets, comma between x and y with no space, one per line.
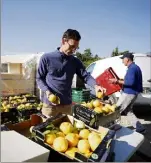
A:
[104,81]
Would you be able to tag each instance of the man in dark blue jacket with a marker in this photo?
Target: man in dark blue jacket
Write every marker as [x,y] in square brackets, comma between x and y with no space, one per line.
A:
[56,71]
[132,87]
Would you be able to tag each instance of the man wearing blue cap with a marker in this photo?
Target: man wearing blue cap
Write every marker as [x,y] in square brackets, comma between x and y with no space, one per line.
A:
[132,86]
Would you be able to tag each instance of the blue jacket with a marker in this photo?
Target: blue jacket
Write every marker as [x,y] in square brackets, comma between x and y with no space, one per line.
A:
[55,73]
[133,80]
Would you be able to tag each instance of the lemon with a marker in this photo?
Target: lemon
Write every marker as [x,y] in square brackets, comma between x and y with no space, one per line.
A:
[49,138]
[98,109]
[105,109]
[60,144]
[52,98]
[88,154]
[84,133]
[71,152]
[99,94]
[66,127]
[58,134]
[96,103]
[89,105]
[72,139]
[83,146]
[94,140]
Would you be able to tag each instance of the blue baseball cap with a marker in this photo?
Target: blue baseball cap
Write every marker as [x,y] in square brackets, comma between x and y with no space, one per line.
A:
[128,55]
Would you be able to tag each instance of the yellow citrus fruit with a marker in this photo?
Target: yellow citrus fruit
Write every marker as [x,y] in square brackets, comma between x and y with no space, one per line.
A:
[88,154]
[49,138]
[94,140]
[60,144]
[98,109]
[72,139]
[105,109]
[84,104]
[52,98]
[71,152]
[96,103]
[84,133]
[90,105]
[99,94]
[112,108]
[58,134]
[83,146]
[66,127]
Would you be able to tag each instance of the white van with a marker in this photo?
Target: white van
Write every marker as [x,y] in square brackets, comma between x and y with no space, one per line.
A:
[142,60]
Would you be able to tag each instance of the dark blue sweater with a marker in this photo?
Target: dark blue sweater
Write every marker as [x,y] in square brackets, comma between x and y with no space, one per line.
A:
[133,80]
[55,73]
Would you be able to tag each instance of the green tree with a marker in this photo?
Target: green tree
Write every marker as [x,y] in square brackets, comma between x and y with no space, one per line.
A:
[87,53]
[121,53]
[96,56]
[117,53]
[79,55]
[87,57]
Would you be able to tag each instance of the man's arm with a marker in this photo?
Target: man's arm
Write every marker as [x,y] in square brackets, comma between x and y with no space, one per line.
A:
[41,74]
[87,78]
[128,81]
[84,75]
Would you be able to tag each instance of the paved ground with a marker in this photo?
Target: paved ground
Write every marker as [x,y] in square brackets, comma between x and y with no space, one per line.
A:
[144,152]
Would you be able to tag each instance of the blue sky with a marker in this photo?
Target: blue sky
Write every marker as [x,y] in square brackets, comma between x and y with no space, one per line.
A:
[37,25]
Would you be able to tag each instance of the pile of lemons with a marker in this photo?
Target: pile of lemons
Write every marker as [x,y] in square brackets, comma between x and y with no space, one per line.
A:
[70,140]
[99,107]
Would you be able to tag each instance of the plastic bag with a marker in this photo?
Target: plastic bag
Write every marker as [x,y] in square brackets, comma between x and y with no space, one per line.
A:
[29,67]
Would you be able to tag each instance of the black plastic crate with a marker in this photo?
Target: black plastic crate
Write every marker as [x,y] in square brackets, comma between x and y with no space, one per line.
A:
[93,119]
[26,113]
[11,116]
[97,155]
[32,99]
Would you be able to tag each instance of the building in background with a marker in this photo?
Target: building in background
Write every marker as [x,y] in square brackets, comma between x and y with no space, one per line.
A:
[17,74]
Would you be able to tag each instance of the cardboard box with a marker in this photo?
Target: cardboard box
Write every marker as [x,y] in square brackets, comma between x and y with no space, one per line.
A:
[24,127]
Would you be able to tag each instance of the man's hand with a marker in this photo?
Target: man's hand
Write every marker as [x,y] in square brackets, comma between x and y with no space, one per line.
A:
[48,93]
[99,88]
[116,81]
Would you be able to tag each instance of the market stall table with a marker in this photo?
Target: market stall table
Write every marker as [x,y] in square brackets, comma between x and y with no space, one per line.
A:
[17,148]
[126,144]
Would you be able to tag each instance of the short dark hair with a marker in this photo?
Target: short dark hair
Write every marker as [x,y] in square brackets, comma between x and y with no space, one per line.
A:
[72,34]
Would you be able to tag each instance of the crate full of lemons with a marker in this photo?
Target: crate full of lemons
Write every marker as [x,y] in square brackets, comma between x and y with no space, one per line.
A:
[97,112]
[68,138]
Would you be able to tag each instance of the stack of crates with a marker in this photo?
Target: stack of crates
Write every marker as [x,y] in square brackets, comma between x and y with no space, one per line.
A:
[80,95]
